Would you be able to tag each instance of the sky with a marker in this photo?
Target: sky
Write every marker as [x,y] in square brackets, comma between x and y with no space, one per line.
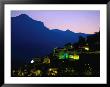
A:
[83,21]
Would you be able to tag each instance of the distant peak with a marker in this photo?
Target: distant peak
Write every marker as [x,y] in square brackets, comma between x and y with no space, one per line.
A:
[24,15]
[68,30]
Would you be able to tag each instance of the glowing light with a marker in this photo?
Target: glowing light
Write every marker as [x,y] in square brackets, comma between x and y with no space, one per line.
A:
[32,61]
[87,48]
[63,55]
[50,69]
[76,57]
[52,72]
[71,46]
[46,60]
[66,55]
[37,72]
[71,56]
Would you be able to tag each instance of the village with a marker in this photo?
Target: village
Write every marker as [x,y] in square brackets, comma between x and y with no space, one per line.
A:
[80,59]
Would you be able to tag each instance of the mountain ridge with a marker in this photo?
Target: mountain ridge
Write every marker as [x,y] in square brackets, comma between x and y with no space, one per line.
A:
[30,38]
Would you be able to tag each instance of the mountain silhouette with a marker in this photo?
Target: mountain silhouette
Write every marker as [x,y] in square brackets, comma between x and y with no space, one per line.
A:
[30,38]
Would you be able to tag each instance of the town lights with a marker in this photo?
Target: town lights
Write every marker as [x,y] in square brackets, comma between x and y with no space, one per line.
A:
[38,73]
[52,72]
[71,56]
[32,61]
[76,57]
[87,48]
[63,55]
[46,60]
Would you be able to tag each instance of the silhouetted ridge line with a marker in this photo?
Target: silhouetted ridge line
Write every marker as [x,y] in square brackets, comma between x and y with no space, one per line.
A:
[30,38]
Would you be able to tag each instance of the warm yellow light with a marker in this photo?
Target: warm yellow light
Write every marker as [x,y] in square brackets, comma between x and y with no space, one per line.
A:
[37,72]
[46,60]
[52,72]
[76,57]
[50,69]
[71,56]
[87,48]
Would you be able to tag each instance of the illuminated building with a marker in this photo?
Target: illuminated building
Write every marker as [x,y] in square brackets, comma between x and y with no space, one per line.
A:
[74,56]
[37,73]
[71,56]
[52,72]
[84,48]
[67,55]
[63,55]
[46,60]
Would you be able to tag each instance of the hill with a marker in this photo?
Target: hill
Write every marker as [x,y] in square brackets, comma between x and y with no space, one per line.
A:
[30,38]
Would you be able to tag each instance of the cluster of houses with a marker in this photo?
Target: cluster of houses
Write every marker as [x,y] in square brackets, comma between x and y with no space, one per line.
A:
[70,52]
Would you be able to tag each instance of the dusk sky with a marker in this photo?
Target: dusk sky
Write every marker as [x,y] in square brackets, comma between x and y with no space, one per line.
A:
[84,21]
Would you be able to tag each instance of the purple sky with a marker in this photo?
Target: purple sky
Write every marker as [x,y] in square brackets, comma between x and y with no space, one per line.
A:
[85,21]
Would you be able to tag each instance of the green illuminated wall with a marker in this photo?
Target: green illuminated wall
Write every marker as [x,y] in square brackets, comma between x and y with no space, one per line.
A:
[63,55]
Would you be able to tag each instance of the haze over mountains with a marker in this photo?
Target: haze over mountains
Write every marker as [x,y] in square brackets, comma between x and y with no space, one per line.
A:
[30,38]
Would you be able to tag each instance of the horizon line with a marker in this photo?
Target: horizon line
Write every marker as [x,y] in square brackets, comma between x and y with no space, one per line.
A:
[51,28]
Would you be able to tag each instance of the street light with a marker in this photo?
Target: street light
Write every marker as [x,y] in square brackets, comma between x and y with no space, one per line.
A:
[32,61]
